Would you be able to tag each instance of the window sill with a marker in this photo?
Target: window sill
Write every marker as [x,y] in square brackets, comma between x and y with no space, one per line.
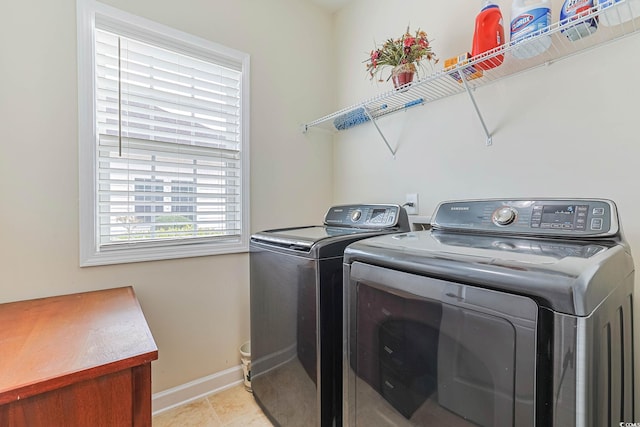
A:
[124,255]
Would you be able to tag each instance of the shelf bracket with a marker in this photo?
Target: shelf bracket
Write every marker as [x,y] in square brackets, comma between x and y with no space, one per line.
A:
[473,101]
[366,110]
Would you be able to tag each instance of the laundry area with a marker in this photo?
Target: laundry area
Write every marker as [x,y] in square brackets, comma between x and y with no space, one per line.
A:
[323,212]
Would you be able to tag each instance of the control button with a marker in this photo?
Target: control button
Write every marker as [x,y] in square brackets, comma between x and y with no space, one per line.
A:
[504,216]
[598,211]
[596,223]
[536,217]
[355,215]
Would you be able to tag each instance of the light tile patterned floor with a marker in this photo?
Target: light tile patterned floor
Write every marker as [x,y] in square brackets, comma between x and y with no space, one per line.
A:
[234,407]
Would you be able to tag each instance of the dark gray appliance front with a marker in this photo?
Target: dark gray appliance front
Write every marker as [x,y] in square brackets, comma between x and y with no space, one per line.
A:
[509,313]
[429,352]
[296,312]
[291,343]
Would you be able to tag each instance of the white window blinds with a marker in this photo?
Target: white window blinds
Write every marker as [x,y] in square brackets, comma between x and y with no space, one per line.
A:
[169,146]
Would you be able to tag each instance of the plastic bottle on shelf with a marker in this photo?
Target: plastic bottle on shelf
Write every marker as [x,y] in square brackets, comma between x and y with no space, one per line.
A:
[530,19]
[616,14]
[576,9]
[489,34]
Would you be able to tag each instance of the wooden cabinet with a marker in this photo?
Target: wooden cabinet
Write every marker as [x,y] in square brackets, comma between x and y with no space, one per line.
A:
[76,360]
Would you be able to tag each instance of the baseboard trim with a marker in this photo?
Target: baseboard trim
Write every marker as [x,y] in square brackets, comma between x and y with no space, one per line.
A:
[196,389]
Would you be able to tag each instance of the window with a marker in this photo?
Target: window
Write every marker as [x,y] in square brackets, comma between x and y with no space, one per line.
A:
[163,141]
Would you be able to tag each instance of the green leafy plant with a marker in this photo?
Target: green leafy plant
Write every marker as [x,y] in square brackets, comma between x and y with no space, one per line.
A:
[407,50]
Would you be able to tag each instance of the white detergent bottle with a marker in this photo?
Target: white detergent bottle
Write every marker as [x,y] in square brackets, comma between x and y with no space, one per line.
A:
[616,12]
[530,19]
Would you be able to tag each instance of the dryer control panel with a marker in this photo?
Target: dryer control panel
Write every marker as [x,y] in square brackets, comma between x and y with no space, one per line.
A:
[552,217]
[366,216]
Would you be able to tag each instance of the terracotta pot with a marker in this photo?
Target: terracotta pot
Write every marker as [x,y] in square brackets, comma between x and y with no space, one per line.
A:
[402,79]
[402,75]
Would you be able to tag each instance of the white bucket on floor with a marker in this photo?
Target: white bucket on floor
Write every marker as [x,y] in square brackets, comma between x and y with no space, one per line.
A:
[245,358]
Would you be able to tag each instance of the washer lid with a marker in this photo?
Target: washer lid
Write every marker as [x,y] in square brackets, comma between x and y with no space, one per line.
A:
[304,237]
[343,224]
[569,276]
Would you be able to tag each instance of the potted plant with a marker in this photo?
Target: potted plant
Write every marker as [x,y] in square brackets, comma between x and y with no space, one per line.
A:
[403,55]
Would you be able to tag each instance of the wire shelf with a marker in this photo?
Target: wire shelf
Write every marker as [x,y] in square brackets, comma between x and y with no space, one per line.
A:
[445,83]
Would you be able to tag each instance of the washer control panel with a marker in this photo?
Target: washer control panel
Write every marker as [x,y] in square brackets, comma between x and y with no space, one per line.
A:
[363,216]
[554,217]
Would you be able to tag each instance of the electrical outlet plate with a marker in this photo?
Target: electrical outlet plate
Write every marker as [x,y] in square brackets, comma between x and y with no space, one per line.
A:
[411,198]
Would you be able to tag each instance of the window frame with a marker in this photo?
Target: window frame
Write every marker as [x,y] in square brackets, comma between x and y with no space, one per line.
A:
[126,24]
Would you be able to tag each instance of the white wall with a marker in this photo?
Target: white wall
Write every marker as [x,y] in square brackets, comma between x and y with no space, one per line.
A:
[197,308]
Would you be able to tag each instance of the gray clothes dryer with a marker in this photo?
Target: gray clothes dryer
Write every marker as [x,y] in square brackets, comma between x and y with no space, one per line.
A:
[507,313]
[296,312]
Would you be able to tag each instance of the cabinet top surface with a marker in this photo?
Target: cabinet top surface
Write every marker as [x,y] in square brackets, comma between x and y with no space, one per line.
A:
[52,342]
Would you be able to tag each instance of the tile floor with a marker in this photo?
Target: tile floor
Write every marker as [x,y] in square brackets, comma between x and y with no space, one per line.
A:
[234,407]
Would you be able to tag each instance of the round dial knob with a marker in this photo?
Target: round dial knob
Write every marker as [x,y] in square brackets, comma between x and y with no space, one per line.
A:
[504,216]
[355,215]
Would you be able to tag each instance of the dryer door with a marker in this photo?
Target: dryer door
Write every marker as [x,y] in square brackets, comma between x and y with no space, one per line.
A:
[427,352]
